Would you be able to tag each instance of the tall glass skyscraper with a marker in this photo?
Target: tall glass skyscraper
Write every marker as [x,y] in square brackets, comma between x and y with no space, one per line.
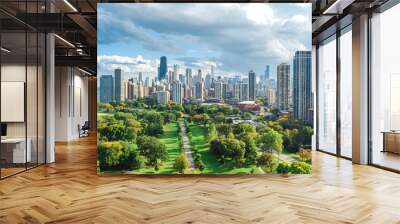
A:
[252,85]
[302,99]
[118,85]
[162,72]
[106,88]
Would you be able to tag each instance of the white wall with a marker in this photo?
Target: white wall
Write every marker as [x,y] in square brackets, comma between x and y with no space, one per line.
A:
[71,103]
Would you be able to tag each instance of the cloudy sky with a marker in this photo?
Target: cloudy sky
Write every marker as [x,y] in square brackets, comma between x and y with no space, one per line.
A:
[235,38]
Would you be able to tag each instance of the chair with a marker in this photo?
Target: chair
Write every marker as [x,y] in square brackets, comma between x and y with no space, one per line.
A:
[84,130]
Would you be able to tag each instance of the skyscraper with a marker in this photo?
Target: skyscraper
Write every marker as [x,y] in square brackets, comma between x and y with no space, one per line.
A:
[266,75]
[218,90]
[199,91]
[177,92]
[282,90]
[162,71]
[302,99]
[188,75]
[119,85]
[140,77]
[244,92]
[106,88]
[176,72]
[252,85]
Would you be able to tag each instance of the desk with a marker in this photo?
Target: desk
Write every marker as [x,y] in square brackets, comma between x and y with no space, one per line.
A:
[13,150]
[391,141]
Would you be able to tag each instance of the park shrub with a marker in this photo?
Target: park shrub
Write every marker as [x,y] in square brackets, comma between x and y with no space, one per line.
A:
[305,155]
[300,168]
[283,167]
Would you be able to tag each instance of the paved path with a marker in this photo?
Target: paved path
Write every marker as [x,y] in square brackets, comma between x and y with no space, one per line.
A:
[186,145]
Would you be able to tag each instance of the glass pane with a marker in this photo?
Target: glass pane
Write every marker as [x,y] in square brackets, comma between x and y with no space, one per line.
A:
[41,99]
[13,87]
[31,98]
[386,89]
[346,94]
[327,96]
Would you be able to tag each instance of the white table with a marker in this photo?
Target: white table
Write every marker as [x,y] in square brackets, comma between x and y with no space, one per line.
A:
[19,154]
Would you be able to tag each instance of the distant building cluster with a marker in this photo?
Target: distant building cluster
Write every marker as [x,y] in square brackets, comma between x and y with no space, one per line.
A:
[292,95]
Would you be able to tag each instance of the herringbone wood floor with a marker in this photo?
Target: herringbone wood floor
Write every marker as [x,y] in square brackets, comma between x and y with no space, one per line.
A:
[70,191]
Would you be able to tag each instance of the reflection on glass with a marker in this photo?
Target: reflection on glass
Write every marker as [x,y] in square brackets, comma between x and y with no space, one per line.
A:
[327,96]
[346,94]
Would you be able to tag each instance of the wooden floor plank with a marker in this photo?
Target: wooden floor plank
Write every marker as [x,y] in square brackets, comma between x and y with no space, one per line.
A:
[70,191]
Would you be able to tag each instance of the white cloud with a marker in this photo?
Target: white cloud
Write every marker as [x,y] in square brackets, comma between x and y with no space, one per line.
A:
[241,36]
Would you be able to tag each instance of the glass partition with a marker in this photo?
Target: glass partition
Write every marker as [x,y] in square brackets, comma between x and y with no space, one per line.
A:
[327,95]
[22,77]
[346,92]
[385,89]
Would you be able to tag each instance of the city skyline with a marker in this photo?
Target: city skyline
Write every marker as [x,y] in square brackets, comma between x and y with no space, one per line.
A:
[135,40]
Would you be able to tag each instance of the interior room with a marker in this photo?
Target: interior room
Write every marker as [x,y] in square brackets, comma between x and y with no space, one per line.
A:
[49,93]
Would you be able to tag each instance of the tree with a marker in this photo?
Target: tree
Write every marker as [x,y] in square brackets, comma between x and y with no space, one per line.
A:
[271,140]
[212,133]
[181,163]
[243,127]
[234,149]
[153,150]
[118,155]
[250,147]
[218,149]
[224,129]
[109,154]
[266,159]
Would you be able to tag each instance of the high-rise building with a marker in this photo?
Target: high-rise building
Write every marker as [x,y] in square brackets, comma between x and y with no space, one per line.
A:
[208,81]
[271,96]
[162,71]
[119,85]
[218,90]
[161,96]
[188,75]
[302,100]
[252,85]
[198,92]
[236,91]
[140,77]
[244,92]
[266,74]
[176,72]
[283,83]
[106,88]
[224,91]
[177,92]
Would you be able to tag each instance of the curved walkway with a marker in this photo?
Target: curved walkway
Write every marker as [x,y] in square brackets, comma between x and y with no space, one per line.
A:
[186,145]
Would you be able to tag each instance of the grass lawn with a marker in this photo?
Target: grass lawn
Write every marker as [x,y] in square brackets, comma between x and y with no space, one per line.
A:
[212,166]
[170,139]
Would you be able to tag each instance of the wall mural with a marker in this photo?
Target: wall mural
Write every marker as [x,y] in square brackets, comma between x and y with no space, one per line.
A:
[196,88]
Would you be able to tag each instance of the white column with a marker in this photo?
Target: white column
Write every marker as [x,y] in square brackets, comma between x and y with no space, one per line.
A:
[360,89]
[50,100]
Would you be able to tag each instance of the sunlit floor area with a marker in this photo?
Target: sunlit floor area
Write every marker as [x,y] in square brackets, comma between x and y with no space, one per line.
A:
[70,191]
[387,159]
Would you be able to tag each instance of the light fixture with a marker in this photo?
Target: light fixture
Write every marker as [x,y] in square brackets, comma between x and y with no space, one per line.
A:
[86,72]
[5,50]
[64,40]
[70,5]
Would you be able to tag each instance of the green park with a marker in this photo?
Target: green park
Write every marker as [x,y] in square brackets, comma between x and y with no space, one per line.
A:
[143,137]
